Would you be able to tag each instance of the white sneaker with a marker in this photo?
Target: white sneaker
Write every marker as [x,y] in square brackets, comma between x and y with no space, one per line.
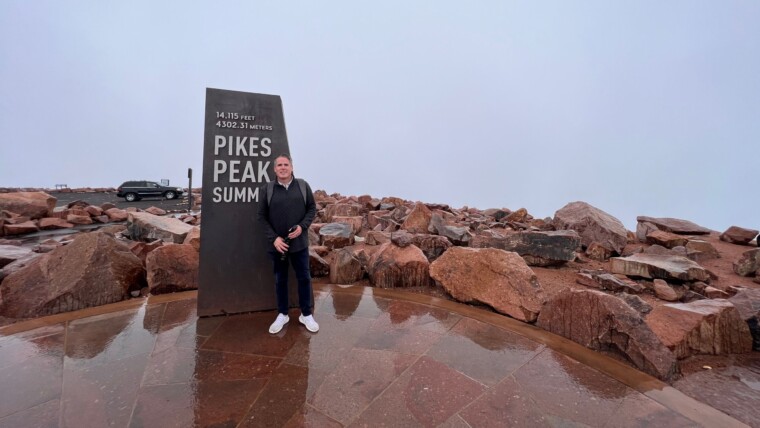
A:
[309,322]
[280,322]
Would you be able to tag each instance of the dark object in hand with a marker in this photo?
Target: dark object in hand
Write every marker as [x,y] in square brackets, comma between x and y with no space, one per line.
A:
[284,255]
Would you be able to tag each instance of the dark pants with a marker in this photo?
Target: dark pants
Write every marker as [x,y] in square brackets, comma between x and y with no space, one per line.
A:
[300,262]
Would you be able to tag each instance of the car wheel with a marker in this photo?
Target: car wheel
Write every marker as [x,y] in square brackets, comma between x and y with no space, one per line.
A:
[170,195]
[130,197]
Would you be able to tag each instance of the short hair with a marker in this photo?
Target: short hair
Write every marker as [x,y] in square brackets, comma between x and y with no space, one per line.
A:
[286,156]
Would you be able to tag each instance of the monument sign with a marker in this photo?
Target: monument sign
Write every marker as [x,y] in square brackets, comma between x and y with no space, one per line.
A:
[243,135]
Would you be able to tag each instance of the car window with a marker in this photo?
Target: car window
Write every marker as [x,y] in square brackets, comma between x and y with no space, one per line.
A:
[154,185]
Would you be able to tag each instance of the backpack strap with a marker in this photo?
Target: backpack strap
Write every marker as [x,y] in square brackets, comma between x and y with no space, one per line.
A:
[301,186]
[270,190]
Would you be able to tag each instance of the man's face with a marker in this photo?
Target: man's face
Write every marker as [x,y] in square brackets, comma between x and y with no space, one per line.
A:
[283,169]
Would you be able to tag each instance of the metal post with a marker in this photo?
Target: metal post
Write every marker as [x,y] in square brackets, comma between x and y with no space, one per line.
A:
[189,190]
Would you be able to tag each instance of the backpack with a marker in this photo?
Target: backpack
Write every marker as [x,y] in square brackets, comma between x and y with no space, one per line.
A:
[301,185]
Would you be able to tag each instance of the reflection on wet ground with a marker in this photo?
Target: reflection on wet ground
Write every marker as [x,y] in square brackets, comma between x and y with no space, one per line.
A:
[381,358]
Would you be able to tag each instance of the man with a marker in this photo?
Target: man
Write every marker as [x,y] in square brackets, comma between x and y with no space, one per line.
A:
[286,210]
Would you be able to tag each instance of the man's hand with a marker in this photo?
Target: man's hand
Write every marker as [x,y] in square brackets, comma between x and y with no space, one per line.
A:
[296,233]
[280,245]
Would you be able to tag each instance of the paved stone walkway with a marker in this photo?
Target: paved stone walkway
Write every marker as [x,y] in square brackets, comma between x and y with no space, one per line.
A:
[381,358]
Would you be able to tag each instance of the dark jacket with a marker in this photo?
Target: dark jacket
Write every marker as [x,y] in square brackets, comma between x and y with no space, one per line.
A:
[287,209]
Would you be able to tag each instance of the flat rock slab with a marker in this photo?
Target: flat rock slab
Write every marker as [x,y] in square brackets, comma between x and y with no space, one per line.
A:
[30,204]
[738,235]
[537,248]
[674,225]
[659,266]
[148,227]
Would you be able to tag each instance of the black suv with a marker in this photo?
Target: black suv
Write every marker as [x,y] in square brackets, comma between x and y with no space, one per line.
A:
[136,190]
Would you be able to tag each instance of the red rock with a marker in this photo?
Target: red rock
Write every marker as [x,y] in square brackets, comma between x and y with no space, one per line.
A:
[498,278]
[116,214]
[16,219]
[738,235]
[107,206]
[593,225]
[518,216]
[599,252]
[714,293]
[537,248]
[747,265]
[93,270]
[394,267]
[659,266]
[155,211]
[32,204]
[193,238]
[603,322]
[345,267]
[148,227]
[142,249]
[683,227]
[701,327]
[20,229]
[317,265]
[101,219]
[344,210]
[747,302]
[458,235]
[375,237]
[700,251]
[431,245]
[48,223]
[418,219]
[93,210]
[79,219]
[664,291]
[666,239]
[336,235]
[172,268]
[606,281]
[355,222]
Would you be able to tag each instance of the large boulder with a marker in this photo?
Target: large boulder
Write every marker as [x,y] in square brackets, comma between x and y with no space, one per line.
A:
[345,267]
[194,238]
[336,235]
[391,266]
[674,225]
[431,245]
[537,248]
[497,278]
[94,269]
[738,235]
[418,219]
[701,327]
[172,268]
[592,224]
[343,210]
[355,222]
[603,322]
[749,263]
[663,266]
[148,227]
[747,302]
[458,235]
[31,204]
[318,266]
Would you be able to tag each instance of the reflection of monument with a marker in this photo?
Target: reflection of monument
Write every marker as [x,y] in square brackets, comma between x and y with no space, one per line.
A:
[244,133]
[344,304]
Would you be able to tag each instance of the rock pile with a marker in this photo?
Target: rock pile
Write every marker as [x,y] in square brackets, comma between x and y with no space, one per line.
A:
[651,297]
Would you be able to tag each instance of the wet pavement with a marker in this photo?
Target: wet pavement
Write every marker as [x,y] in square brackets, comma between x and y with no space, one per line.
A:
[381,358]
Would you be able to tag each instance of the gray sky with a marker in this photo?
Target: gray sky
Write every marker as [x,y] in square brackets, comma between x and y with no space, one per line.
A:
[639,107]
